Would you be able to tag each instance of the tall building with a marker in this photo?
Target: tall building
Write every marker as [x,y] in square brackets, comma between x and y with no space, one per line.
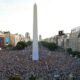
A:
[74,41]
[27,37]
[40,37]
[26,34]
[35,54]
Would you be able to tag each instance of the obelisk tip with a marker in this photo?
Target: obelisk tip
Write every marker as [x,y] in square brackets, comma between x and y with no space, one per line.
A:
[35,4]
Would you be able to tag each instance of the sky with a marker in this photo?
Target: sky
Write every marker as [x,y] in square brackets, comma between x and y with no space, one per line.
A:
[16,16]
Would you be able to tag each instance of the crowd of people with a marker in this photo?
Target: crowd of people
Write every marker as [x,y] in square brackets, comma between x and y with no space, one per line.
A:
[52,65]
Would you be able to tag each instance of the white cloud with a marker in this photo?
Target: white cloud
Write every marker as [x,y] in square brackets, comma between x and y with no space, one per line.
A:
[53,15]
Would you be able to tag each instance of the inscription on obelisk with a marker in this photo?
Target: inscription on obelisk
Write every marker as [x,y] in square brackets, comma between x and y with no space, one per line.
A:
[35,53]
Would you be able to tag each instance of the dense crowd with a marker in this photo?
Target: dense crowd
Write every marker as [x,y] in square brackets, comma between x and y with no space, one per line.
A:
[52,65]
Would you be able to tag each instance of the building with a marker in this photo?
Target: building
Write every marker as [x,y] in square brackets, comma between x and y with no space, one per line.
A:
[17,38]
[12,39]
[52,39]
[74,41]
[2,39]
[22,38]
[55,39]
[27,37]
[66,41]
[40,38]
[7,37]
[62,40]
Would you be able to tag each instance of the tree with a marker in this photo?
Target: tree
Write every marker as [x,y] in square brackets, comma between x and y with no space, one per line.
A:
[32,77]
[28,43]
[17,77]
[50,45]
[20,45]
[69,50]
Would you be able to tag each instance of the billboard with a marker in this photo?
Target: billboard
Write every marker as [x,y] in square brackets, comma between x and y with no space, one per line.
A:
[7,40]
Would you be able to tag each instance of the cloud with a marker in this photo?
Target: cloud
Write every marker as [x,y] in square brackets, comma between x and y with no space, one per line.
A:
[53,15]
[14,1]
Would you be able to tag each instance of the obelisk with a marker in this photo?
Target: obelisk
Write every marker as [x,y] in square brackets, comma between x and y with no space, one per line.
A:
[35,53]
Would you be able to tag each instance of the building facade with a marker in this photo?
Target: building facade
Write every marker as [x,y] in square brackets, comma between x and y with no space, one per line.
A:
[74,41]
[12,39]
[2,39]
[27,37]
[7,38]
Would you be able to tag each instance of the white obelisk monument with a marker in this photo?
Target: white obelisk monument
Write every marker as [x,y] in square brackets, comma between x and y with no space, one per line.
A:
[35,53]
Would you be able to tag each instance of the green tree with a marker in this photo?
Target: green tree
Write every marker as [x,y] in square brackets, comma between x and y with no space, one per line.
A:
[20,45]
[17,77]
[28,43]
[32,77]
[50,45]
[69,50]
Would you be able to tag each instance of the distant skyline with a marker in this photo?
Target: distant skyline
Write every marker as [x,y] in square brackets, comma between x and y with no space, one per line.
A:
[16,16]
